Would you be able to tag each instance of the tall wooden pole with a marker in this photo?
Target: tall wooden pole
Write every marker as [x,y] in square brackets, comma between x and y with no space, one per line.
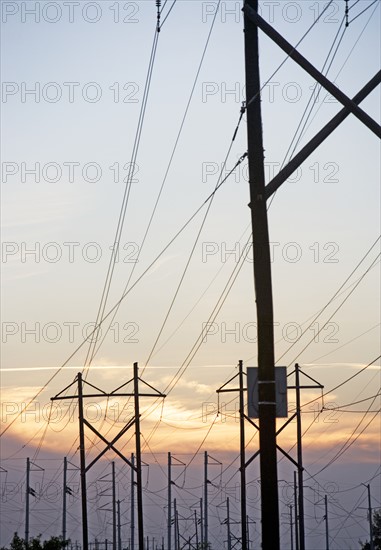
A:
[132,502]
[169,517]
[296,512]
[300,460]
[228,524]
[82,455]
[27,494]
[206,499]
[326,523]
[370,512]
[263,291]
[64,500]
[119,527]
[242,457]
[138,459]
[114,517]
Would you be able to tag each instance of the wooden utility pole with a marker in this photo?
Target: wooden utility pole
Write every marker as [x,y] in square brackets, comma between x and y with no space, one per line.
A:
[201,524]
[82,457]
[228,524]
[119,526]
[27,493]
[64,492]
[133,501]
[370,512]
[169,516]
[206,499]
[242,417]
[296,511]
[242,456]
[291,529]
[114,516]
[300,460]
[263,291]
[138,458]
[326,523]
[172,461]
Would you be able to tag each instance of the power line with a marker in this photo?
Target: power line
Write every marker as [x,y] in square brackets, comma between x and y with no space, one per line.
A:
[363,11]
[174,149]
[331,300]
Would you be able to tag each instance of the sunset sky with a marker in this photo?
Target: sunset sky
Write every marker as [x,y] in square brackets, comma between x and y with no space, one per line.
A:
[73,80]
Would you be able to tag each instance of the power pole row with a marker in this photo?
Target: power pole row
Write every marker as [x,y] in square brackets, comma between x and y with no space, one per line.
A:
[135,421]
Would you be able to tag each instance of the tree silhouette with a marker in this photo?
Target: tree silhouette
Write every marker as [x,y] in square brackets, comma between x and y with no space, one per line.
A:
[54,543]
[376,533]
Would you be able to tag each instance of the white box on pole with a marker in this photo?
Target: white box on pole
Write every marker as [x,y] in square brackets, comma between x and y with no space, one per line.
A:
[280,392]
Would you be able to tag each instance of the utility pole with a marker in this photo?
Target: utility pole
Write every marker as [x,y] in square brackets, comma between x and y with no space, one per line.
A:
[291,529]
[196,528]
[371,543]
[259,194]
[263,290]
[206,499]
[82,458]
[201,523]
[119,527]
[172,461]
[64,500]
[228,524]
[114,517]
[296,512]
[133,502]
[242,455]
[138,458]
[299,518]
[27,493]
[243,464]
[300,459]
[326,523]
[176,525]
[169,517]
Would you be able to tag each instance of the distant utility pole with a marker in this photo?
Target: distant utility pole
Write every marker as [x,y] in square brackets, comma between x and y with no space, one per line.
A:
[214,462]
[119,526]
[296,511]
[135,421]
[114,516]
[170,482]
[298,387]
[291,528]
[326,523]
[133,501]
[201,523]
[169,511]
[228,524]
[242,416]
[370,512]
[29,491]
[65,491]
[206,498]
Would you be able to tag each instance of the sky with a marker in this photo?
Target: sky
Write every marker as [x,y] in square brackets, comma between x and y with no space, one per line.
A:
[73,85]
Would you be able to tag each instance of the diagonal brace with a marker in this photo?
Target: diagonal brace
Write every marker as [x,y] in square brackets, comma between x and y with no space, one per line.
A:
[314,143]
[312,71]
[110,445]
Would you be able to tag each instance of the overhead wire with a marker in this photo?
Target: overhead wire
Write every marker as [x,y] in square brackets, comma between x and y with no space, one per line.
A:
[123,210]
[174,149]
[364,10]
[331,300]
